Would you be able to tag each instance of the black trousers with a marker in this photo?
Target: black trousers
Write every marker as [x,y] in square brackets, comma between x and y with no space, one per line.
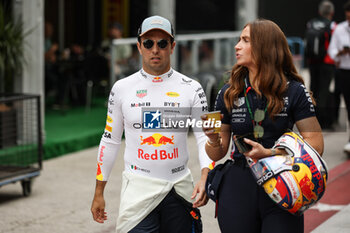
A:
[170,216]
[244,207]
[337,96]
[321,76]
[344,80]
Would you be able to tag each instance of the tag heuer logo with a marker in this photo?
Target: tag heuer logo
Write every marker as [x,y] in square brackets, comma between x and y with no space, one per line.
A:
[141,93]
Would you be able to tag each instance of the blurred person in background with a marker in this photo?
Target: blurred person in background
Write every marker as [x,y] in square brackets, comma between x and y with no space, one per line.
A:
[75,74]
[185,58]
[157,188]
[264,80]
[121,52]
[50,47]
[321,66]
[339,50]
[206,56]
[64,72]
[53,82]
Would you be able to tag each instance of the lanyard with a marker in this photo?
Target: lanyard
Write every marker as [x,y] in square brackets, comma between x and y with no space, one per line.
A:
[259,114]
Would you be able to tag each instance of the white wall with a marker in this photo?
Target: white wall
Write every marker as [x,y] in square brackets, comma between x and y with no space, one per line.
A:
[247,10]
[31,80]
[31,12]
[164,8]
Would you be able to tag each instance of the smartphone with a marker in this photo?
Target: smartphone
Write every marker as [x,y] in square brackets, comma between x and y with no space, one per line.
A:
[241,145]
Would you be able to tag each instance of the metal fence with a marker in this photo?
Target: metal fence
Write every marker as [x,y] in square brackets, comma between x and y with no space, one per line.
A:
[206,57]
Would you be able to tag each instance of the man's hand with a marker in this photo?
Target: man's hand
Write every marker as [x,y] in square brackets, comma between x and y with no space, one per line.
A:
[202,198]
[98,209]
[98,204]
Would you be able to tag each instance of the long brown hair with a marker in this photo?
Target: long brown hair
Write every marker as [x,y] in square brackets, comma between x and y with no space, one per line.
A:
[271,54]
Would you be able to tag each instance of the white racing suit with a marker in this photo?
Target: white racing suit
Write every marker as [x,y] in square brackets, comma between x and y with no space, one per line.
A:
[156,152]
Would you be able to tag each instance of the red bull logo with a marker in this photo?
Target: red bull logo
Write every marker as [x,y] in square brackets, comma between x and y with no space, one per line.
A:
[320,181]
[307,188]
[157,79]
[305,182]
[100,157]
[158,154]
[157,140]
[165,140]
[149,140]
[99,175]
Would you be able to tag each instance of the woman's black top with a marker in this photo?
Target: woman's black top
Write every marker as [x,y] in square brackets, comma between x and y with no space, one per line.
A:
[297,106]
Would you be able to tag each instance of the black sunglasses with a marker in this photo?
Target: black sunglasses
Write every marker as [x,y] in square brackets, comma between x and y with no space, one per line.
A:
[148,44]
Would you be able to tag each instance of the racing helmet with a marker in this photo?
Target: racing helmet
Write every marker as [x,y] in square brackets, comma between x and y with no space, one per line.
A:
[295,181]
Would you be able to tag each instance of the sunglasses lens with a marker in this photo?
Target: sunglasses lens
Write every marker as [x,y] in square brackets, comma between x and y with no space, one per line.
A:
[162,44]
[148,44]
[258,131]
[259,115]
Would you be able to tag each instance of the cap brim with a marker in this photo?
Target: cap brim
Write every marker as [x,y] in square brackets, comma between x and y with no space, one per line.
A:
[156,29]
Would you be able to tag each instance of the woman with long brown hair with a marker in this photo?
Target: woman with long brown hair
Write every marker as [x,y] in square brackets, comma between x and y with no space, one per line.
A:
[264,98]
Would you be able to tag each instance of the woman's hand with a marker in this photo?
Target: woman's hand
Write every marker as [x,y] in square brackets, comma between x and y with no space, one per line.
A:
[218,143]
[257,151]
[209,131]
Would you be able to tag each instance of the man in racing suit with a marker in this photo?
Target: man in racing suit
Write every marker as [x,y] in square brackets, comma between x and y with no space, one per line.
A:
[156,152]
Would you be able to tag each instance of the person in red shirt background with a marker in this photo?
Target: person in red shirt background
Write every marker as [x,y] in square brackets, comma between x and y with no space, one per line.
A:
[321,65]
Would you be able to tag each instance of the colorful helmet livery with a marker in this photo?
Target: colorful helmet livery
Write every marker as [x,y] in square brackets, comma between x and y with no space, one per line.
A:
[296,181]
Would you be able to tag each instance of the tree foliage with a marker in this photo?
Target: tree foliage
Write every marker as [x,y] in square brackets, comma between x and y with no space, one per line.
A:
[11,49]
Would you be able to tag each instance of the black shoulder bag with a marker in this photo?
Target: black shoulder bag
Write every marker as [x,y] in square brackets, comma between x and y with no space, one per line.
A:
[214,179]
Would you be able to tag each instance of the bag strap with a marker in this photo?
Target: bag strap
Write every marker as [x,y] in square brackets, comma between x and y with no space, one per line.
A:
[221,171]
